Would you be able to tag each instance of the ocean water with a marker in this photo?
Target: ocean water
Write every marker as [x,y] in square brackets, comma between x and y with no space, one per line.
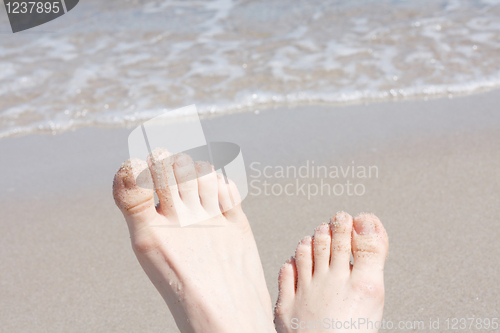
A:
[117,63]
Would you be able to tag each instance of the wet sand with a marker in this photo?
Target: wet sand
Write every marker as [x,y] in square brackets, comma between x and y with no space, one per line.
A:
[67,265]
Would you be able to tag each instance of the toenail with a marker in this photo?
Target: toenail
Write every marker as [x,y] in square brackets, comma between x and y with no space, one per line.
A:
[324,228]
[159,153]
[341,216]
[182,160]
[203,166]
[364,228]
[136,166]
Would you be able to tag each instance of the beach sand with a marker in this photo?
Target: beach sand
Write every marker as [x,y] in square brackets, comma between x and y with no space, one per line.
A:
[67,265]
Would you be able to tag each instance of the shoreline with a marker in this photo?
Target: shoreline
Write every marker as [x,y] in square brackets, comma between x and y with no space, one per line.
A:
[269,105]
[66,247]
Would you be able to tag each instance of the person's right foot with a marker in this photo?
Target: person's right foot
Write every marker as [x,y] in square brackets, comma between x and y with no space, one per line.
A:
[320,285]
[209,274]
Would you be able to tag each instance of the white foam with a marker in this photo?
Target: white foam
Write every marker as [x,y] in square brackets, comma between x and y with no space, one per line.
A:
[132,61]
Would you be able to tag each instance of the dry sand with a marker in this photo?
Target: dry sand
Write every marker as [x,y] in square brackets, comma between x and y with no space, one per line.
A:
[66,263]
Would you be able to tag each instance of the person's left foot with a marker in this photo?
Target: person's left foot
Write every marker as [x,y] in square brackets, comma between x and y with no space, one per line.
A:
[209,274]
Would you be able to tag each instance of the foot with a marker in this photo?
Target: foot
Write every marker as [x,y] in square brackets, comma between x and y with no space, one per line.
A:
[319,289]
[210,273]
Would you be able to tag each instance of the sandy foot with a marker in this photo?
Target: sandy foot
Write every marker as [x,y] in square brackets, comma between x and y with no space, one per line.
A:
[320,291]
[209,273]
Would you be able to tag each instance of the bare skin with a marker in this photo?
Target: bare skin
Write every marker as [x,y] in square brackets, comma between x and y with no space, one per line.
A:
[320,283]
[209,273]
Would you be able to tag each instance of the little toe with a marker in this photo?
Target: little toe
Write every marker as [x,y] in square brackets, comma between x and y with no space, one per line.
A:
[341,226]
[286,284]
[304,262]
[136,202]
[370,244]
[321,249]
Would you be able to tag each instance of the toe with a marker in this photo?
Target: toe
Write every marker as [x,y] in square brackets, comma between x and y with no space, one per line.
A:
[208,187]
[304,262]
[370,244]
[321,249]
[229,197]
[341,226]
[136,202]
[185,174]
[160,163]
[286,284]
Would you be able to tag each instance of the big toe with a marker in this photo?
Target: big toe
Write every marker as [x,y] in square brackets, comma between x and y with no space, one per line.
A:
[370,244]
[133,193]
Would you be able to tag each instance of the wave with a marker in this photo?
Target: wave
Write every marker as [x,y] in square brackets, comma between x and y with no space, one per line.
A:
[226,56]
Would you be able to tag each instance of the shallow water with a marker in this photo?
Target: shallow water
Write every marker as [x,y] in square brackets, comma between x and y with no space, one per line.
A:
[121,62]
